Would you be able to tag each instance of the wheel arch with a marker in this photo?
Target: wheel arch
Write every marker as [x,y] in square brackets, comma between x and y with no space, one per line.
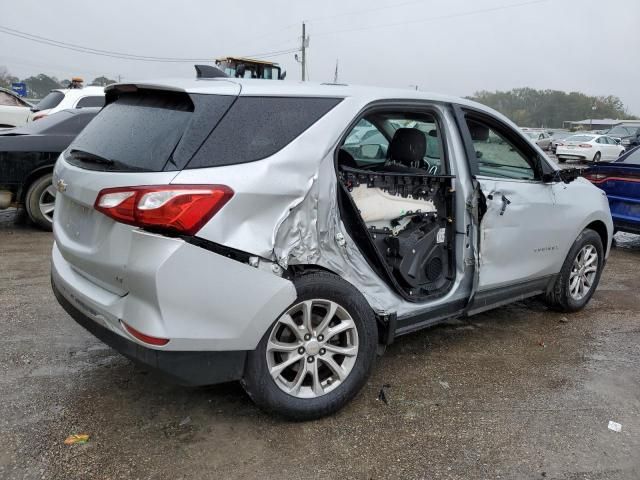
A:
[600,228]
[32,177]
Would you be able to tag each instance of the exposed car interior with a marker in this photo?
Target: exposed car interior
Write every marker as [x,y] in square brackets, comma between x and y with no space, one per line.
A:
[391,166]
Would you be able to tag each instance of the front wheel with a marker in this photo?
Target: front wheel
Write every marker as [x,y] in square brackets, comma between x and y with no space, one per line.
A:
[40,201]
[318,355]
[580,274]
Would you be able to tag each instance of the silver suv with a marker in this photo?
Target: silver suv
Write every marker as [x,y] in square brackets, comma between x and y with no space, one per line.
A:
[221,230]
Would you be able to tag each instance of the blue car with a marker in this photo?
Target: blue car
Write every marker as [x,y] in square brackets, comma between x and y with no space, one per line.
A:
[621,182]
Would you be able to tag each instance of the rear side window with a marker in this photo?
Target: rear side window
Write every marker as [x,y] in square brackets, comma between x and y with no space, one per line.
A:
[52,100]
[94,101]
[257,127]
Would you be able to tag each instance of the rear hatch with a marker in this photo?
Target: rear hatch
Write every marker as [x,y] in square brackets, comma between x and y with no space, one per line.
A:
[145,135]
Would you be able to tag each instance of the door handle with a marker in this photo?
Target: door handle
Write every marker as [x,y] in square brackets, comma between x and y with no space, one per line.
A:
[505,203]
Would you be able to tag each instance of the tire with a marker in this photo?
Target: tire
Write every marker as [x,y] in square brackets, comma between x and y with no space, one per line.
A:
[596,157]
[39,199]
[275,394]
[560,297]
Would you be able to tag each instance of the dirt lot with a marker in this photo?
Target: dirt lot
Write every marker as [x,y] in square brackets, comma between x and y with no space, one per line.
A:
[518,393]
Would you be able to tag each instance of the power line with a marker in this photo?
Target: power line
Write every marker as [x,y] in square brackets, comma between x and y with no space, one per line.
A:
[121,55]
[431,19]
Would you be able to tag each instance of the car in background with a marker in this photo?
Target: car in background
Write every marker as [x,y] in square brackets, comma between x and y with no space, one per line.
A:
[542,139]
[589,148]
[628,134]
[620,180]
[557,138]
[14,110]
[65,98]
[27,156]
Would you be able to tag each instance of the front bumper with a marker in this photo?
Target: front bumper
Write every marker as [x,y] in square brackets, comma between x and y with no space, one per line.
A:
[185,368]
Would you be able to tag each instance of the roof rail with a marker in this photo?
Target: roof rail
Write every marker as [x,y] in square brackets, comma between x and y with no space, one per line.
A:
[208,71]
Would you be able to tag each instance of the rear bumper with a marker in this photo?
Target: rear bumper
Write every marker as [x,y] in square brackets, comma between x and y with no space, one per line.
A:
[185,368]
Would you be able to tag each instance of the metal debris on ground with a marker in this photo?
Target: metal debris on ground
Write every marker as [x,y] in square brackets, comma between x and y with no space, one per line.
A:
[76,439]
[444,385]
[615,426]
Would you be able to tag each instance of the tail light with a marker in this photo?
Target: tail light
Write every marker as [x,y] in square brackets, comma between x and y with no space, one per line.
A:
[172,208]
[585,145]
[595,177]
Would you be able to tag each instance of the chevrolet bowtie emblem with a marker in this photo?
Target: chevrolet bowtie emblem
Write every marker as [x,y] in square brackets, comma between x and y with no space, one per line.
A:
[61,186]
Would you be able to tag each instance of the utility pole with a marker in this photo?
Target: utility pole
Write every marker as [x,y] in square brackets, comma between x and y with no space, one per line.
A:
[335,75]
[303,49]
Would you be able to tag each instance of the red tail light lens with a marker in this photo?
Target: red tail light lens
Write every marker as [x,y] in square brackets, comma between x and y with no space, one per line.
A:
[177,208]
[595,177]
[585,145]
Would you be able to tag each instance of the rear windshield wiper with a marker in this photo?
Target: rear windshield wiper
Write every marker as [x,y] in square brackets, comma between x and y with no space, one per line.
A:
[109,164]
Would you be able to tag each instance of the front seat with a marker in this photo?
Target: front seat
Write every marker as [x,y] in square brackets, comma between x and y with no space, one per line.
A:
[406,151]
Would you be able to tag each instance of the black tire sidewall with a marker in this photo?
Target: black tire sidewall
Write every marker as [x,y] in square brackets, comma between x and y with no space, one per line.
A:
[32,201]
[262,388]
[585,238]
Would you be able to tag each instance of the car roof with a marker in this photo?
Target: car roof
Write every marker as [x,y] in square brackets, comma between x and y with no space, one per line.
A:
[258,87]
[81,92]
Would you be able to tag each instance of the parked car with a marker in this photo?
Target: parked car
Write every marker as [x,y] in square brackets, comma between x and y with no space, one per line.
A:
[216,230]
[557,138]
[14,110]
[620,179]
[589,148]
[627,134]
[542,139]
[65,98]
[27,156]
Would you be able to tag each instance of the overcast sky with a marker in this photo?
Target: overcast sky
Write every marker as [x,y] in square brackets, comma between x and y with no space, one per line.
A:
[453,46]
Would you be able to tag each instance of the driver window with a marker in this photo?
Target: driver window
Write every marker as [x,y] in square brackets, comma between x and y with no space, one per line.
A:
[496,156]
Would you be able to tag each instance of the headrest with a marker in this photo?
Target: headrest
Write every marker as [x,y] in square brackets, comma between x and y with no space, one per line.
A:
[408,146]
[479,133]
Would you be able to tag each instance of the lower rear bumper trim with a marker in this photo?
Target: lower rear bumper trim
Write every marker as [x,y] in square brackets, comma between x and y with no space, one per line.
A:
[185,368]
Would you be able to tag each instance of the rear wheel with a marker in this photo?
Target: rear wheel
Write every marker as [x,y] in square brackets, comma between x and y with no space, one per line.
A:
[316,357]
[580,274]
[40,202]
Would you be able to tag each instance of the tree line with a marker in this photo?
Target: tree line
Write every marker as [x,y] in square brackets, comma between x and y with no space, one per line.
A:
[528,107]
[40,85]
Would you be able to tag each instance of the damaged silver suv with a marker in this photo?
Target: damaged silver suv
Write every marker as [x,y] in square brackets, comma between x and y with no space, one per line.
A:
[278,234]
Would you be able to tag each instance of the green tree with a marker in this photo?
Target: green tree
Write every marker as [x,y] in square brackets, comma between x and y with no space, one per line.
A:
[41,85]
[550,108]
[102,81]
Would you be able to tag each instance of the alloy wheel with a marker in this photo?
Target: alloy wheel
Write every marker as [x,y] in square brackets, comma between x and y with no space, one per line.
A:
[583,272]
[46,202]
[312,348]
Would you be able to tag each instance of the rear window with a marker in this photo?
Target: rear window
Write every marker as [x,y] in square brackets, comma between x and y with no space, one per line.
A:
[66,122]
[52,100]
[94,101]
[580,138]
[633,158]
[257,127]
[138,131]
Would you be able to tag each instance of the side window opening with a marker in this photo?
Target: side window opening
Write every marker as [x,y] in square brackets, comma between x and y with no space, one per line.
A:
[391,165]
[496,155]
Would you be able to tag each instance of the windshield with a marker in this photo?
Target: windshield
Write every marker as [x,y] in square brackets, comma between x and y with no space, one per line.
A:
[580,138]
[624,131]
[52,100]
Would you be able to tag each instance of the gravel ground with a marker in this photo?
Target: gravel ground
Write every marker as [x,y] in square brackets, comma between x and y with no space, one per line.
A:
[516,393]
